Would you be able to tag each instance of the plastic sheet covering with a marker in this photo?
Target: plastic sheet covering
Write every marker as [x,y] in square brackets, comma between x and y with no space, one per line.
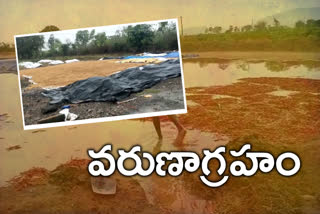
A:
[30,64]
[56,62]
[143,60]
[174,54]
[72,60]
[117,86]
[153,55]
[45,61]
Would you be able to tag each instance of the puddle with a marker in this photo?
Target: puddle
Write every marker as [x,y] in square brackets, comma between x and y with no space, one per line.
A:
[218,96]
[191,103]
[49,148]
[283,93]
[206,72]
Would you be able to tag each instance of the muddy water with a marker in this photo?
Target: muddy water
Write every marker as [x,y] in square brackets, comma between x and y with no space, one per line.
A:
[50,147]
[209,72]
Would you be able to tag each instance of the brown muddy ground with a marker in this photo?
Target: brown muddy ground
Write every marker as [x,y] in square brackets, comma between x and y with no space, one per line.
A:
[274,114]
[67,189]
[167,95]
[65,74]
[8,66]
[251,111]
[248,112]
[7,55]
[255,110]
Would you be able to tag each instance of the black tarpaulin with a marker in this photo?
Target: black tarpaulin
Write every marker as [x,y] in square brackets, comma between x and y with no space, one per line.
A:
[117,86]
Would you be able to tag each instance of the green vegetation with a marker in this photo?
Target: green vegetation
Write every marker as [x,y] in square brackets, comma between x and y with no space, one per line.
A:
[304,36]
[30,46]
[132,39]
[49,28]
[5,47]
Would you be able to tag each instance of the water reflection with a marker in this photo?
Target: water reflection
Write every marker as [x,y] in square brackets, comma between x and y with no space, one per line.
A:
[211,72]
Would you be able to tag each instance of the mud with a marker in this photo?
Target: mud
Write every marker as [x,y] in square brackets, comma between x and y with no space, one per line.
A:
[8,66]
[237,112]
[67,189]
[277,119]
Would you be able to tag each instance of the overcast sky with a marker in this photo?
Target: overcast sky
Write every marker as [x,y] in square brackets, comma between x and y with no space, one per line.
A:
[30,16]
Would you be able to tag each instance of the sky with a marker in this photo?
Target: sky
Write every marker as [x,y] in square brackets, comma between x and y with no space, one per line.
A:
[30,16]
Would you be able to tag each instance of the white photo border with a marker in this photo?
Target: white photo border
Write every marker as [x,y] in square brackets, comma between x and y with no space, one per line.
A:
[112,118]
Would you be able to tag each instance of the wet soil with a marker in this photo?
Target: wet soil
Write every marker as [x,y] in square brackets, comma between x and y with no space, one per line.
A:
[166,95]
[253,110]
[7,55]
[249,110]
[67,189]
[8,66]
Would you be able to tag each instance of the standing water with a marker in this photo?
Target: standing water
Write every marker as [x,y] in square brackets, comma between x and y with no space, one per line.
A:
[50,147]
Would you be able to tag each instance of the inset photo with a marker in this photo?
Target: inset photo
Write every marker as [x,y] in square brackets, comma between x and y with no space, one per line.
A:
[100,74]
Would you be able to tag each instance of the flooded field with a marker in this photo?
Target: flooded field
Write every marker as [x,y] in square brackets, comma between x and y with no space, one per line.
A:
[273,105]
[213,72]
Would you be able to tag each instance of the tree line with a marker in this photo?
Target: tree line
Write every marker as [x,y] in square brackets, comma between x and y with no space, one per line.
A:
[303,36]
[6,47]
[131,39]
[309,25]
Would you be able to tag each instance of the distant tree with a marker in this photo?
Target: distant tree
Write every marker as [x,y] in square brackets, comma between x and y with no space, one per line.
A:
[217,29]
[230,30]
[54,45]
[140,37]
[276,22]
[261,25]
[65,49]
[162,26]
[29,47]
[100,39]
[246,28]
[236,29]
[6,47]
[91,36]
[83,37]
[300,24]
[311,23]
[51,42]
[50,28]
